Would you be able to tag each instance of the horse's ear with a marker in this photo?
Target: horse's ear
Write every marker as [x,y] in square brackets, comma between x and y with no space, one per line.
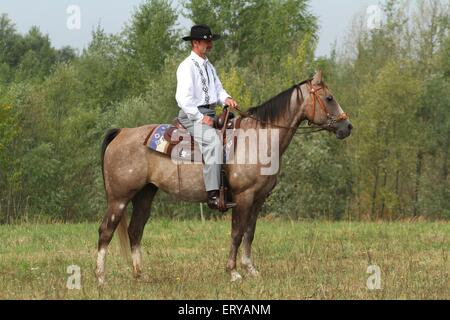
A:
[318,77]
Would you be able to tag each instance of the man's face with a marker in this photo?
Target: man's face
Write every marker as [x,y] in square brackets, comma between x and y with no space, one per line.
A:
[203,46]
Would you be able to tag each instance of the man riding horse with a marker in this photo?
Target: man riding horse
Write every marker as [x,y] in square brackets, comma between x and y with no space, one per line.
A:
[199,90]
[134,173]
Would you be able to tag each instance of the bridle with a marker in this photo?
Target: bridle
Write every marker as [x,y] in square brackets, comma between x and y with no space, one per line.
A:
[313,93]
[331,119]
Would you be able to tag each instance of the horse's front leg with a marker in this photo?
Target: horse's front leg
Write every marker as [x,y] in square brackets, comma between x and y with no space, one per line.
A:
[246,259]
[240,217]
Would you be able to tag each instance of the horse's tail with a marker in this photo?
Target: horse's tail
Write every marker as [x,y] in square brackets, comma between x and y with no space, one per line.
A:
[110,135]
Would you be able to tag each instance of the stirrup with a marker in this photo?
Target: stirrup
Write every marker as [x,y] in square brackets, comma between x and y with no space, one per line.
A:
[216,202]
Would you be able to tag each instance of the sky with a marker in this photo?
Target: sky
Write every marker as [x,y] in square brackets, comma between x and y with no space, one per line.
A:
[52,17]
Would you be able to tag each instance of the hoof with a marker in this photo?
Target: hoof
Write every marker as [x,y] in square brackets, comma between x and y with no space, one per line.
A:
[253,272]
[235,276]
[101,281]
[137,272]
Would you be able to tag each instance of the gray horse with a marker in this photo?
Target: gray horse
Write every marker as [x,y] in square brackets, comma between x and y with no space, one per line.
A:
[133,172]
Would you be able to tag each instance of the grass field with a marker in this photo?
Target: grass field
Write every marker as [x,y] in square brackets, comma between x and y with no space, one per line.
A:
[186,260]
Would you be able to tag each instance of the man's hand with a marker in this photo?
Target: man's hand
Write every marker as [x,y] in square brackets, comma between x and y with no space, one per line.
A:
[208,121]
[231,103]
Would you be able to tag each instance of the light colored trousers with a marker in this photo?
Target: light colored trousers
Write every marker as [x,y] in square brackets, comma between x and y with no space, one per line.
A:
[210,146]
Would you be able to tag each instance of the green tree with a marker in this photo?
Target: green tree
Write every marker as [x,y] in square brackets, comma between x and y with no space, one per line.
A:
[151,38]
[11,48]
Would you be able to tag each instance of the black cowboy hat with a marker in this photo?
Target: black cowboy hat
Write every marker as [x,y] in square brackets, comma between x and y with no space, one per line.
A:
[201,32]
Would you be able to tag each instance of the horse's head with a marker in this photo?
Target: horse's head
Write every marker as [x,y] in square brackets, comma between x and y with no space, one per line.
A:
[322,109]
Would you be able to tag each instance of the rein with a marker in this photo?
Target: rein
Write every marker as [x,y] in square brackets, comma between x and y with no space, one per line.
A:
[313,92]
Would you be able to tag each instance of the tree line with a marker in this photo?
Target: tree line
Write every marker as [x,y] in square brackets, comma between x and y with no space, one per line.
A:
[56,104]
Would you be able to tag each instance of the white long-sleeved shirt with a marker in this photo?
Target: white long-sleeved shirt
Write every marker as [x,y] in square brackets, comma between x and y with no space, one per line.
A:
[190,92]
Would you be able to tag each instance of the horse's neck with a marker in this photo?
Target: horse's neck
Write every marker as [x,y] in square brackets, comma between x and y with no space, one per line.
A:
[287,124]
[296,116]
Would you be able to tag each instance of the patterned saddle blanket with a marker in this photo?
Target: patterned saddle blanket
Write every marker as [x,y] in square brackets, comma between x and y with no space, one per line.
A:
[175,141]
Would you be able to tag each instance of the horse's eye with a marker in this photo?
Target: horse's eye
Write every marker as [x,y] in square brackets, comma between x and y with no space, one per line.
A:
[330,98]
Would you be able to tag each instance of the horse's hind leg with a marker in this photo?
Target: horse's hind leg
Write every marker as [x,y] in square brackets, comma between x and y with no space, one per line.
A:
[113,216]
[142,202]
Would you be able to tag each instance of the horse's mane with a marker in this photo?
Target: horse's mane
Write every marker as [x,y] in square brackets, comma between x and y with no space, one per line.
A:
[273,109]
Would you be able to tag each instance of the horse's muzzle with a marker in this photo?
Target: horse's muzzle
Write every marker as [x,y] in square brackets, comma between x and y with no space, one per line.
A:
[343,129]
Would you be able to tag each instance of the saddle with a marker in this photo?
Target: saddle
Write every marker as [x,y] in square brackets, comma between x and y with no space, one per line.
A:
[174,139]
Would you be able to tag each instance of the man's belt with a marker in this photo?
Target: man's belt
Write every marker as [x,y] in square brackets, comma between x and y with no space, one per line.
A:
[208,106]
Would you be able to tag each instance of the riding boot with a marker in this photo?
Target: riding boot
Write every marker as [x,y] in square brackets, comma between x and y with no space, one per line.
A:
[213,200]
